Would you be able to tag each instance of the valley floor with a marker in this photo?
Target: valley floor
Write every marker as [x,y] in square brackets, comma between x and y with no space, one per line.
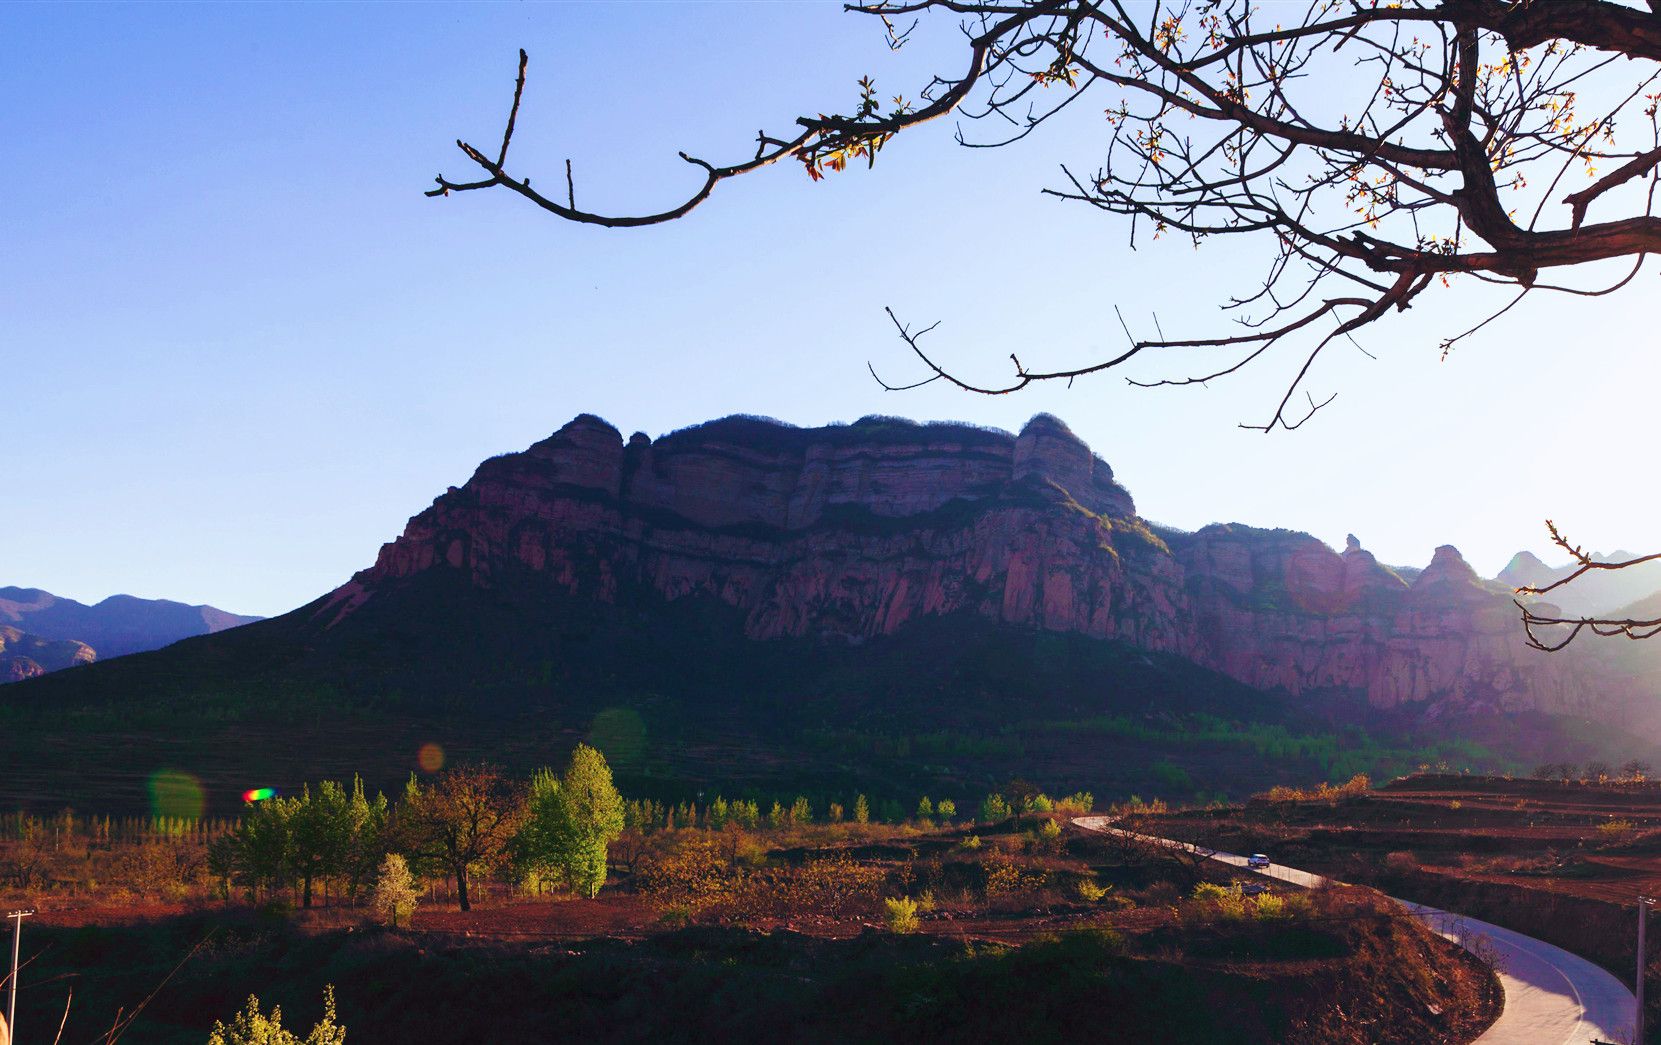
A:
[1020,934]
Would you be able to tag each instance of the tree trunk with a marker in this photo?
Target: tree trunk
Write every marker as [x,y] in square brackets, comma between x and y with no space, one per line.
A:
[305,892]
[461,889]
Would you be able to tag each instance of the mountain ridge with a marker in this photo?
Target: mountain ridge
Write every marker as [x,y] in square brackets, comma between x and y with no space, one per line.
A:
[1598,593]
[856,530]
[746,530]
[114,626]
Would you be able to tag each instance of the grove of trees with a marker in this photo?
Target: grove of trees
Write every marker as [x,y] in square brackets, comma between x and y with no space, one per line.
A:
[470,819]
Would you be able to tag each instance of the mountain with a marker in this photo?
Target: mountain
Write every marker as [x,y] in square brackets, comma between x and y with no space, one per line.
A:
[745,576]
[1598,593]
[857,532]
[24,656]
[119,625]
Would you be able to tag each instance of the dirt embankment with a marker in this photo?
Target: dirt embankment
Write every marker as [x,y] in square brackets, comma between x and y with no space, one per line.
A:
[1227,983]
[1562,861]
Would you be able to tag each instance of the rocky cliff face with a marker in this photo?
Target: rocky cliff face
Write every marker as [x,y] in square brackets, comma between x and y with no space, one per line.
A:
[24,656]
[856,531]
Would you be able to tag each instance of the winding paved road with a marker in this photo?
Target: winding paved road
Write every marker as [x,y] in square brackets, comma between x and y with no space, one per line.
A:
[1552,997]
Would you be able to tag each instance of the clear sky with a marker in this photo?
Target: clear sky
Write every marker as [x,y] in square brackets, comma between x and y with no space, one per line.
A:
[239,348]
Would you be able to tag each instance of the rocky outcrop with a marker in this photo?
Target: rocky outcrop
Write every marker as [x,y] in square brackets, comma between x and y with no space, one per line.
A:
[1278,609]
[855,531]
[24,656]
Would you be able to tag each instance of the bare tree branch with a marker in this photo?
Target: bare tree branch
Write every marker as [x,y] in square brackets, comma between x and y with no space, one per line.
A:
[1236,121]
[1377,152]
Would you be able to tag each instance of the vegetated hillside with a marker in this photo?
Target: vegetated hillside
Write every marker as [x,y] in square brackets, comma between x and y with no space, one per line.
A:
[678,699]
[24,656]
[746,578]
[1600,593]
[118,625]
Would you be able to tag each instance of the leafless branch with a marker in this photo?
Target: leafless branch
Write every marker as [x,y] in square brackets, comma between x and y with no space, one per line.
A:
[1585,560]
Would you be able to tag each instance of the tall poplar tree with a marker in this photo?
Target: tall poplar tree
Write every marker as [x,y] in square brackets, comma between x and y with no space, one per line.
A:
[570,821]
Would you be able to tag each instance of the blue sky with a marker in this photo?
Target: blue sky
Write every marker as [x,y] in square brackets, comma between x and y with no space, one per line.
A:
[239,347]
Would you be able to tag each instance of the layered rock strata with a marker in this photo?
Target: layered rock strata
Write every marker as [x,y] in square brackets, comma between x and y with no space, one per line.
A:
[854,531]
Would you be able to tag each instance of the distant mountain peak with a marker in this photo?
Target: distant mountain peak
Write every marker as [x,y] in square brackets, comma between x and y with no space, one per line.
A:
[1594,594]
[1524,560]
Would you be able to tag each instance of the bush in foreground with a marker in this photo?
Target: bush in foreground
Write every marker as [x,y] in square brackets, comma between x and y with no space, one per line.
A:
[900,912]
[251,1026]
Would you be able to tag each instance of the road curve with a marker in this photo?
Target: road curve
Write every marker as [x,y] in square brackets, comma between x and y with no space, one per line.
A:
[1552,997]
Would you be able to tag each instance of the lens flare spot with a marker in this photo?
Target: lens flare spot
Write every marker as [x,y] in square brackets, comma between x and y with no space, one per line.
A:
[174,792]
[430,758]
[258,794]
[621,734]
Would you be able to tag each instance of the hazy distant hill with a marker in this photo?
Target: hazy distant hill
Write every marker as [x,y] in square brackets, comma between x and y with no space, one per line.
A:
[119,625]
[1596,594]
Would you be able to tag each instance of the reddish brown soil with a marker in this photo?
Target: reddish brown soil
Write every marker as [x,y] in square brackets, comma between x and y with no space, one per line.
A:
[615,915]
[628,916]
[74,916]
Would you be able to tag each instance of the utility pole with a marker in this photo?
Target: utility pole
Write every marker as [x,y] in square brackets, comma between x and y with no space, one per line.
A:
[1644,904]
[17,940]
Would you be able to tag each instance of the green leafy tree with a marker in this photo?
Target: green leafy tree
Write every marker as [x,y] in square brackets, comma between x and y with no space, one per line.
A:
[320,834]
[395,892]
[993,808]
[925,810]
[252,1026]
[801,812]
[547,836]
[862,810]
[570,822]
[225,861]
[1049,835]
[746,813]
[263,843]
[947,809]
[596,811]
[368,842]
